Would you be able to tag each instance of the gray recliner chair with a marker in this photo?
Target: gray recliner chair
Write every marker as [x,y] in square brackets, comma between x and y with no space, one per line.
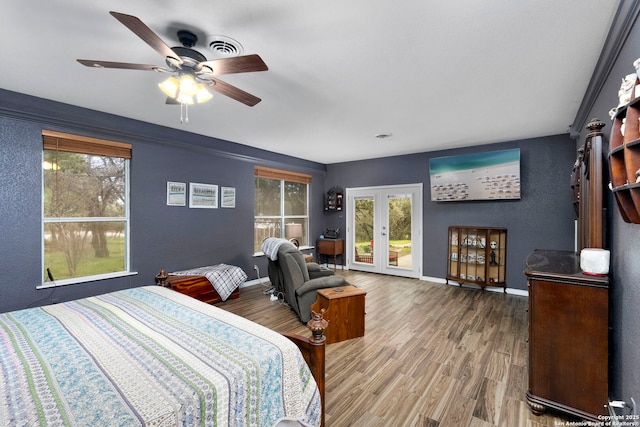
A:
[298,280]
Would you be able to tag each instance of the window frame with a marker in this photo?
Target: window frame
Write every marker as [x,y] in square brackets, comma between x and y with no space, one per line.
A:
[285,176]
[59,141]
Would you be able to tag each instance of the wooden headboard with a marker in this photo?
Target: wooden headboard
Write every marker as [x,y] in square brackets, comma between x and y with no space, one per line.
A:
[587,186]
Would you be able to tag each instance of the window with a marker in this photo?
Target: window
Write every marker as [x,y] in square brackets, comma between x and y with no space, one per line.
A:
[281,206]
[85,208]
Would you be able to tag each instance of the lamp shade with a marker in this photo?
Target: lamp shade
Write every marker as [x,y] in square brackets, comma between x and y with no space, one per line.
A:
[203,94]
[293,230]
[170,86]
[188,85]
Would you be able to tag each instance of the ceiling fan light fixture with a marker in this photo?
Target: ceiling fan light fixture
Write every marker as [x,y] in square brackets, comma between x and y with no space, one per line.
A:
[188,85]
[203,94]
[185,99]
[185,90]
[170,86]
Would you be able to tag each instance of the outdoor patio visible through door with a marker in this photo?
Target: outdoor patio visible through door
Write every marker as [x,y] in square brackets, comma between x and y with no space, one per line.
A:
[383,232]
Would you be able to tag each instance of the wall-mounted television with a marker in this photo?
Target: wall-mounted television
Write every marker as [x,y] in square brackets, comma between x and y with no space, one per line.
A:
[492,175]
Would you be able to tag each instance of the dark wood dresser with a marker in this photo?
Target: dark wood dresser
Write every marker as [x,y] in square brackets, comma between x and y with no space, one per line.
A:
[568,336]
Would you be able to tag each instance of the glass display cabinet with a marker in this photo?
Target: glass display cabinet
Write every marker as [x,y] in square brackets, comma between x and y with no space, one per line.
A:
[477,255]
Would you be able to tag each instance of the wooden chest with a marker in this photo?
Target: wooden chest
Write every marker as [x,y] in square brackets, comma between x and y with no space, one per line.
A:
[345,312]
[198,287]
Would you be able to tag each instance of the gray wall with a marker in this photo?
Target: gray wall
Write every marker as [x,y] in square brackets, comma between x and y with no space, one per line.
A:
[625,250]
[542,218]
[172,238]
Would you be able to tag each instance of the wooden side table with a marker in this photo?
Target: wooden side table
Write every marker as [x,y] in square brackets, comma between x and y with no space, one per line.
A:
[333,247]
[345,312]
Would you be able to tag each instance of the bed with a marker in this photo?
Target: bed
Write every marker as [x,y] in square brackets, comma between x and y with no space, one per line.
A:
[153,356]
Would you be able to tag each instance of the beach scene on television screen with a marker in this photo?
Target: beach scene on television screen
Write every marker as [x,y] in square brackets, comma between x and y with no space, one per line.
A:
[481,176]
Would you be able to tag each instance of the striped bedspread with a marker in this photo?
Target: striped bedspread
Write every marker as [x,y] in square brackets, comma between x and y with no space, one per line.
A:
[148,356]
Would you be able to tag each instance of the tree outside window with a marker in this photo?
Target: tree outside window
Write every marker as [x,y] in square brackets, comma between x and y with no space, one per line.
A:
[85,209]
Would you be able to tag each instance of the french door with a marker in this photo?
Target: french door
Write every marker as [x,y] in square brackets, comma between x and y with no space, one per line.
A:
[383,229]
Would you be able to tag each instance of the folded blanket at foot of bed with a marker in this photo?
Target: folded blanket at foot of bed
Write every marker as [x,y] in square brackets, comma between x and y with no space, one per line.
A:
[224,278]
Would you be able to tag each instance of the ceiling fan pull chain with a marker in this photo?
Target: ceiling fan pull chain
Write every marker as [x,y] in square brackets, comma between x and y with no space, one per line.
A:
[184,113]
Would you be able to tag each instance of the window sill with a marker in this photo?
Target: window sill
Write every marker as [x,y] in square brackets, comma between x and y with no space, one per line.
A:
[302,248]
[74,281]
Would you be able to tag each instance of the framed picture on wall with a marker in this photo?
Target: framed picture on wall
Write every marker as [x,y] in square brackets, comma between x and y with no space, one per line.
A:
[228,197]
[176,193]
[203,195]
[491,175]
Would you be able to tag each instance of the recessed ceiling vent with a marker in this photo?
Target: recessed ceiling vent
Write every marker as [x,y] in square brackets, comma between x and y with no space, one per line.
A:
[225,46]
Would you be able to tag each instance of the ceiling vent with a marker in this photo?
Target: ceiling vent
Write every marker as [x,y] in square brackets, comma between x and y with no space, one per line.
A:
[225,46]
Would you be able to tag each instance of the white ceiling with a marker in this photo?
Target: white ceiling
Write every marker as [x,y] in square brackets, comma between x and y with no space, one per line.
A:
[434,74]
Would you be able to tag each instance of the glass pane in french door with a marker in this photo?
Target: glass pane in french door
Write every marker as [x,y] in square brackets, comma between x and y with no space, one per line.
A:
[364,209]
[399,216]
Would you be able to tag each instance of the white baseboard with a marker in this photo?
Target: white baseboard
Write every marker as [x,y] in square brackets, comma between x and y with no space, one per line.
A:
[511,291]
[264,281]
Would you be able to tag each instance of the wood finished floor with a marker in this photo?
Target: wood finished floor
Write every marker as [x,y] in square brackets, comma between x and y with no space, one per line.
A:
[433,355]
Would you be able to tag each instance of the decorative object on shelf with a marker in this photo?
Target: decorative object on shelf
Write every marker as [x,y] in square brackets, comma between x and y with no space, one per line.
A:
[469,252]
[334,199]
[492,255]
[625,93]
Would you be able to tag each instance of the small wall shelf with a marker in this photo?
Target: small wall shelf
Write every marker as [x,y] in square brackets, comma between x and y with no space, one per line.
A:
[334,199]
[624,160]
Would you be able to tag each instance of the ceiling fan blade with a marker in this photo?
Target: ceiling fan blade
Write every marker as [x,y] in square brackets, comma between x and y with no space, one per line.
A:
[146,34]
[171,101]
[236,64]
[121,65]
[233,92]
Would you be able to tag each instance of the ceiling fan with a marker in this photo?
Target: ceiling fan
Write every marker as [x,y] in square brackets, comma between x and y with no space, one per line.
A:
[192,73]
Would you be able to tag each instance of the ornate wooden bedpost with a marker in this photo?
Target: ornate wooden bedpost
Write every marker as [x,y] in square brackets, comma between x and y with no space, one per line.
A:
[313,351]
